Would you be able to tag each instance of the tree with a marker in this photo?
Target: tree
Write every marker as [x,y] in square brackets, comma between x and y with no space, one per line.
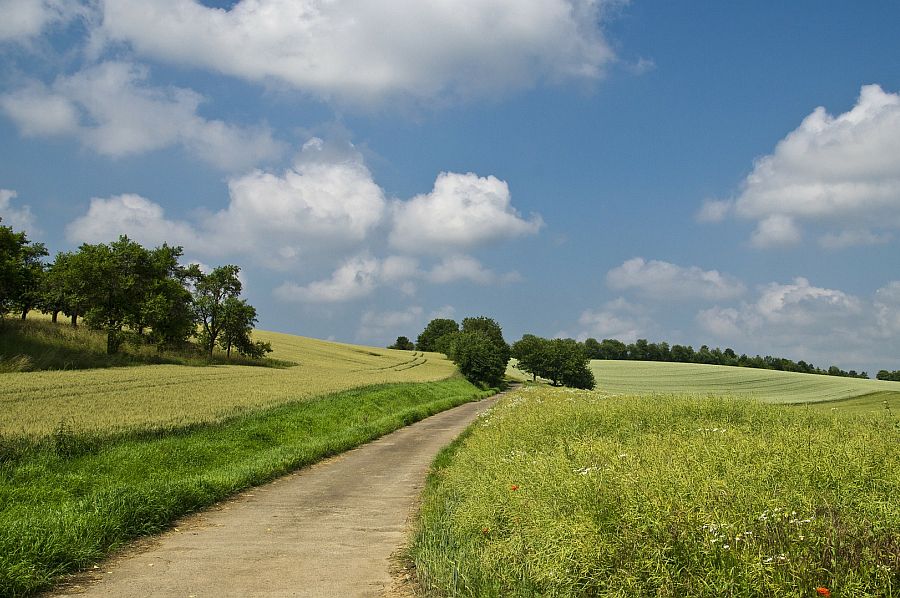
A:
[491,329]
[114,282]
[21,270]
[565,364]
[403,344]
[210,292]
[478,360]
[435,329]
[238,318]
[530,351]
[168,312]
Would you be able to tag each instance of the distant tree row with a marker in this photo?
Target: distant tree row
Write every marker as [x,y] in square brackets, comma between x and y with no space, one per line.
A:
[641,350]
[887,375]
[123,287]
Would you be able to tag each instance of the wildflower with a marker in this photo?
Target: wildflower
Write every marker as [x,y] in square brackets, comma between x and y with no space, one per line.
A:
[485,531]
[514,487]
[823,591]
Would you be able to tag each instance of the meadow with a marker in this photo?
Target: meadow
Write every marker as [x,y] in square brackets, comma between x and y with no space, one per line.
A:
[120,399]
[574,493]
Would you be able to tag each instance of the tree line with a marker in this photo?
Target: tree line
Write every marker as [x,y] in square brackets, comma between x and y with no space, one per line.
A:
[481,353]
[641,350]
[125,289]
[888,375]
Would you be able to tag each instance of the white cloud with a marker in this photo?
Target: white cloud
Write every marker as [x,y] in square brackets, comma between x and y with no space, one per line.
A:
[665,281]
[775,230]
[460,267]
[714,211]
[838,172]
[326,202]
[112,109]
[386,326]
[461,212]
[852,238]
[19,219]
[616,319]
[801,321]
[132,215]
[24,19]
[355,278]
[368,50]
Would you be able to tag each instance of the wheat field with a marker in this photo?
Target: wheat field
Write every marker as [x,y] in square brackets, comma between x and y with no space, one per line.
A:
[163,396]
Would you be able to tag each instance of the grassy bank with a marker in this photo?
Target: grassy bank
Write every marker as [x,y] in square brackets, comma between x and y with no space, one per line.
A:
[565,493]
[68,498]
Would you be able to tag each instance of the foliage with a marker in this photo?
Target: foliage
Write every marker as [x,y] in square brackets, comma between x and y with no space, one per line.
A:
[403,343]
[887,375]
[66,500]
[562,361]
[435,329]
[491,329]
[211,291]
[21,270]
[571,493]
[478,359]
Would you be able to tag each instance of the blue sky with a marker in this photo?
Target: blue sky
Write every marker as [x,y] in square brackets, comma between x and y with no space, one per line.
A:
[703,172]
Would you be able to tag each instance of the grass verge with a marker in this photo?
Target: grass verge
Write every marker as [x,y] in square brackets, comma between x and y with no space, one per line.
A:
[570,493]
[67,500]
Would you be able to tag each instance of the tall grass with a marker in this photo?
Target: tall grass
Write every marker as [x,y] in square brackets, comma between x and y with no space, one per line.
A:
[68,498]
[38,344]
[569,493]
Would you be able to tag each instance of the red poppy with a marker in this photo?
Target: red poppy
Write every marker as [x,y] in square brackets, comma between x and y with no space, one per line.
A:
[514,487]
[822,591]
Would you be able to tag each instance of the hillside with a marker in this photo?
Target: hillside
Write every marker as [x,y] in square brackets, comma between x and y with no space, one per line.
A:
[642,377]
[115,399]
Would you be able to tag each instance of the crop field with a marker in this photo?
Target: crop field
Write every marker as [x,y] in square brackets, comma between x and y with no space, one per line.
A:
[643,377]
[164,396]
[574,493]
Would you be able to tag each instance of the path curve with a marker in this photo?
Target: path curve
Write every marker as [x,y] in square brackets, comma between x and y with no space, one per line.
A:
[326,530]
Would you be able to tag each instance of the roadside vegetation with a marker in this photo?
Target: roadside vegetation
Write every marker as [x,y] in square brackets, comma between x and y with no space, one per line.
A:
[559,492]
[68,498]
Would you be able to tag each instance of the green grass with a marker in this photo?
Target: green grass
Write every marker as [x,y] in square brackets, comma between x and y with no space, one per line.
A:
[67,499]
[37,344]
[644,377]
[571,493]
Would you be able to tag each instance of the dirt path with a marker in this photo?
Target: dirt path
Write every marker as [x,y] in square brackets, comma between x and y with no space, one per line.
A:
[327,530]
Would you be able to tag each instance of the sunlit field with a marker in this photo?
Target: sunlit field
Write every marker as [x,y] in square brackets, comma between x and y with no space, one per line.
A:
[127,398]
[573,493]
[627,377]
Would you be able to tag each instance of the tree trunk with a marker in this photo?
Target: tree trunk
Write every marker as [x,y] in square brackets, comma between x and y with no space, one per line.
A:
[24,313]
[228,352]
[53,318]
[74,319]
[111,342]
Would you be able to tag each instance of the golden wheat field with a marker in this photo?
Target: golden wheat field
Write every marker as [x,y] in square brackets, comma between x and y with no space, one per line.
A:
[151,396]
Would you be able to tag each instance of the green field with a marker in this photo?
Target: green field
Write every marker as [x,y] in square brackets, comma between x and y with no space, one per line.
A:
[574,493]
[647,377]
[113,400]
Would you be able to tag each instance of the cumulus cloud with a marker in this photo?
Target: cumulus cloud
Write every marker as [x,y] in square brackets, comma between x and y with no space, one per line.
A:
[714,211]
[112,109]
[616,319]
[25,19]
[19,219]
[355,278]
[460,267]
[665,281]
[853,238]
[461,212]
[803,321]
[840,173]
[387,325]
[132,215]
[368,50]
